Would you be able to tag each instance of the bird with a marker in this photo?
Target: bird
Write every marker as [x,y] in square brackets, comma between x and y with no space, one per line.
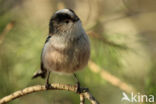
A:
[67,46]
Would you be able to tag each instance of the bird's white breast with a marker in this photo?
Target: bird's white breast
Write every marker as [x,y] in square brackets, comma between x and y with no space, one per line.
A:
[67,52]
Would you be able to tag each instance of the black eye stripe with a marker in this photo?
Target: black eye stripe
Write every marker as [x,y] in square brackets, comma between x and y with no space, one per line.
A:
[62,17]
[67,21]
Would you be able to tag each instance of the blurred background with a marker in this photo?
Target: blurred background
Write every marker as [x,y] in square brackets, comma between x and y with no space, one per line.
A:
[123,48]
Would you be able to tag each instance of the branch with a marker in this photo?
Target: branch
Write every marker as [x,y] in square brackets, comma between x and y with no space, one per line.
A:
[82,99]
[111,78]
[55,86]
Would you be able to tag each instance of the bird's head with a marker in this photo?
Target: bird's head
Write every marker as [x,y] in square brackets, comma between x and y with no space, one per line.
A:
[63,21]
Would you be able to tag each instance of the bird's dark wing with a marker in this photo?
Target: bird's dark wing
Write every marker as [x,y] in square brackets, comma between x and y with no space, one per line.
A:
[47,39]
[42,72]
[42,65]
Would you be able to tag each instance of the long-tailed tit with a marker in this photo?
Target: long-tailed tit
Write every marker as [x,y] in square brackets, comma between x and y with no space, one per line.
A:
[67,47]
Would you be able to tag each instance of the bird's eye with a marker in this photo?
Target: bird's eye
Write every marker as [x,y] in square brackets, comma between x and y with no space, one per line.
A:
[67,21]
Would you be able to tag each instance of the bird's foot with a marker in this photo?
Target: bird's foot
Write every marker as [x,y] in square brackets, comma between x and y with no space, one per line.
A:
[80,89]
[48,86]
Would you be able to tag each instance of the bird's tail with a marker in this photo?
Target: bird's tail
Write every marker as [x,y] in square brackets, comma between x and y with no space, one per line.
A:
[39,73]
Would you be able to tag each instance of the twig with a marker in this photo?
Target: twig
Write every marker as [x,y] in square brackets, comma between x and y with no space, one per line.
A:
[55,86]
[82,99]
[110,78]
[90,98]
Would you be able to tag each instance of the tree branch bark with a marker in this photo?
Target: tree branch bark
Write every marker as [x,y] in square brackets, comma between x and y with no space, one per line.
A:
[82,99]
[54,86]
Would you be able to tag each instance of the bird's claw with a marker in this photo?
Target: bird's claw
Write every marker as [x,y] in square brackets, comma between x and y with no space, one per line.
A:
[80,89]
[48,86]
